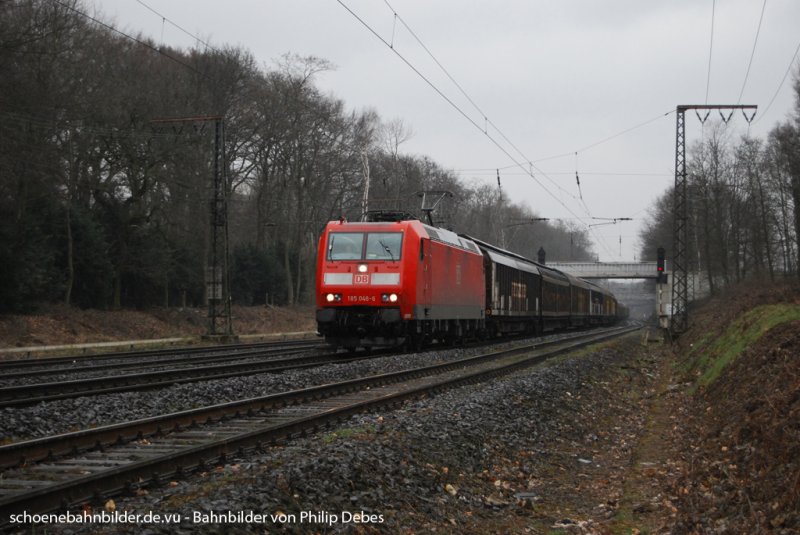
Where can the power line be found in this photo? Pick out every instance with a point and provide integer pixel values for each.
(486, 119)
(425, 48)
(780, 85)
(177, 26)
(464, 114)
(139, 41)
(753, 53)
(609, 138)
(710, 47)
(626, 131)
(453, 104)
(595, 144)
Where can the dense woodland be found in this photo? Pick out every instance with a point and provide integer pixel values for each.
(743, 204)
(103, 207)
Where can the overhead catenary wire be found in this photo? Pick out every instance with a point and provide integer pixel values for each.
(487, 122)
(164, 18)
(780, 85)
(607, 139)
(466, 116)
(753, 52)
(710, 48)
(158, 50)
(453, 104)
(590, 146)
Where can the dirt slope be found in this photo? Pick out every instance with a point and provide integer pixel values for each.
(742, 435)
(58, 324)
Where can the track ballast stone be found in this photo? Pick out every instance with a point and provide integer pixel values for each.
(453, 462)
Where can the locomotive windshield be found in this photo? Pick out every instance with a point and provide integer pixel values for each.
(353, 246)
(345, 246)
(384, 245)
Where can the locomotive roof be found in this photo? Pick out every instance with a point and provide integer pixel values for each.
(520, 262)
(451, 238)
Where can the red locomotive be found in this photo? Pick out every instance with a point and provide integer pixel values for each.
(401, 281)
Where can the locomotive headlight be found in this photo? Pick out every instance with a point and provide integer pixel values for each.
(330, 298)
(362, 268)
(393, 298)
(389, 298)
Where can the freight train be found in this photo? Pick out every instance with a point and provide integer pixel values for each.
(395, 280)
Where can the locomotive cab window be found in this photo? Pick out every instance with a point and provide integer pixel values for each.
(353, 246)
(384, 245)
(345, 245)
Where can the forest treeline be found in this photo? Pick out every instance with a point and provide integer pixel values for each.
(103, 207)
(743, 204)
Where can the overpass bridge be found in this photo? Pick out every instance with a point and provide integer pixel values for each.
(660, 301)
(608, 270)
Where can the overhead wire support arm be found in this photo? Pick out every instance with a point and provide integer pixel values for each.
(527, 221)
(683, 107)
(609, 220)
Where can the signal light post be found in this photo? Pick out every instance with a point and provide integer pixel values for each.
(660, 265)
(664, 307)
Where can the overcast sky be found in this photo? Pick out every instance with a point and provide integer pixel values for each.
(555, 77)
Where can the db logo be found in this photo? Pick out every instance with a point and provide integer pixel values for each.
(361, 279)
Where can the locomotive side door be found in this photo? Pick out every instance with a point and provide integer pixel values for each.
(427, 278)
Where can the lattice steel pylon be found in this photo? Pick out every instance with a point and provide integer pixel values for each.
(680, 236)
(680, 318)
(217, 269)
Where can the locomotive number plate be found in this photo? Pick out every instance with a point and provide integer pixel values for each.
(361, 278)
(361, 299)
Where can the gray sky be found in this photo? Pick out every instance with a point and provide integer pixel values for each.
(555, 77)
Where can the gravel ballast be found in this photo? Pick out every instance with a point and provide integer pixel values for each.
(92, 411)
(466, 459)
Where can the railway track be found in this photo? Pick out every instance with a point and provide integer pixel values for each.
(60, 471)
(31, 394)
(14, 378)
(101, 360)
